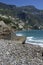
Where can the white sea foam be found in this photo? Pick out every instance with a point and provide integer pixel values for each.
(31, 40)
(19, 34)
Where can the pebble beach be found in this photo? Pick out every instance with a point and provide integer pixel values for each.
(15, 53)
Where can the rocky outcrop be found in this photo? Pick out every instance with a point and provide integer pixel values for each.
(5, 35)
(5, 32)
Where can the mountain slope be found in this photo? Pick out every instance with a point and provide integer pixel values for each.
(28, 14)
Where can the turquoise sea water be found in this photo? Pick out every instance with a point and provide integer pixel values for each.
(32, 36)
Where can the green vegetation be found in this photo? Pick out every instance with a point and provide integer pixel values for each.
(31, 14)
(7, 21)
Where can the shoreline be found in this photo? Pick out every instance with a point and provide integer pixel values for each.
(36, 44)
(24, 38)
(16, 41)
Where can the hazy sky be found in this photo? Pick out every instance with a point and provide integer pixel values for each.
(37, 3)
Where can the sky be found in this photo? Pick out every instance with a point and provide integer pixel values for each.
(37, 3)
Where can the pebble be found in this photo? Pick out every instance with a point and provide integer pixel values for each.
(17, 54)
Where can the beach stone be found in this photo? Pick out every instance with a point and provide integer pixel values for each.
(14, 53)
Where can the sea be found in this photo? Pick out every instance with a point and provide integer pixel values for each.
(32, 36)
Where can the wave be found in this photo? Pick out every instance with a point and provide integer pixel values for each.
(35, 41)
(29, 38)
(19, 34)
